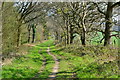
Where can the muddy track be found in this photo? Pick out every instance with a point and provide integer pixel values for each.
(55, 68)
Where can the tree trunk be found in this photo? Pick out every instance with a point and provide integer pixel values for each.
(61, 38)
(108, 24)
(29, 29)
(28, 36)
(67, 35)
(33, 38)
(65, 40)
(18, 34)
(71, 39)
(33, 35)
(83, 37)
(71, 35)
(56, 36)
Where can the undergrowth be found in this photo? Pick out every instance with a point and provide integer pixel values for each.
(89, 61)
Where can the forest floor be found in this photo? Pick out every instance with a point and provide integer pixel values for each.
(47, 61)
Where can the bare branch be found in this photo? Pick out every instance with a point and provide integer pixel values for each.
(98, 30)
(102, 39)
(116, 35)
(98, 8)
(32, 19)
(116, 4)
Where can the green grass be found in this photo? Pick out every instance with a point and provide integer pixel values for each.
(48, 67)
(25, 66)
(49, 60)
(72, 60)
(85, 66)
(65, 68)
(46, 43)
(69, 64)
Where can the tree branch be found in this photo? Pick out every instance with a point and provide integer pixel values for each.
(116, 4)
(114, 35)
(32, 19)
(102, 39)
(98, 30)
(98, 8)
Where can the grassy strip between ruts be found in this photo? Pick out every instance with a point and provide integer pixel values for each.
(49, 60)
(65, 68)
(28, 65)
(49, 65)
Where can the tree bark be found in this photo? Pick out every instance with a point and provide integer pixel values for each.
(18, 32)
(71, 38)
(33, 38)
(83, 37)
(71, 35)
(33, 35)
(67, 35)
(108, 24)
(56, 36)
(29, 29)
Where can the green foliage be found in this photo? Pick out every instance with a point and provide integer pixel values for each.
(9, 23)
(96, 39)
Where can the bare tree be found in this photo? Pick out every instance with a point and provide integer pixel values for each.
(108, 19)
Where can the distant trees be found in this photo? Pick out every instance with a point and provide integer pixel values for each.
(33, 28)
(64, 11)
(28, 12)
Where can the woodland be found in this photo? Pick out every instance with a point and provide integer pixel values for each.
(60, 40)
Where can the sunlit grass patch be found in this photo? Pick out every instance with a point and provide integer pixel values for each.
(47, 43)
(25, 66)
(48, 67)
(87, 65)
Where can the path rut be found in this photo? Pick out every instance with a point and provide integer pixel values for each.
(56, 66)
(42, 68)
